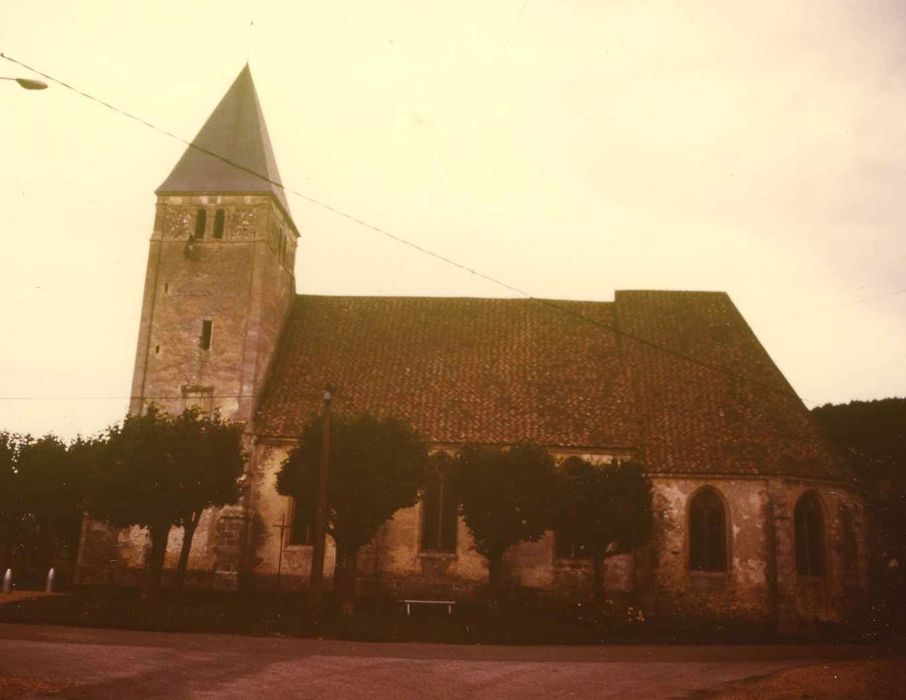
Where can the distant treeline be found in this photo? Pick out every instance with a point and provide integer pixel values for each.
(872, 437)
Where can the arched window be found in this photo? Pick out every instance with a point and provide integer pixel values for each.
(567, 542)
(707, 532)
(219, 217)
(201, 221)
(440, 509)
(809, 525)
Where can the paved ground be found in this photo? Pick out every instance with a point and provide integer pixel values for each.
(40, 661)
(15, 596)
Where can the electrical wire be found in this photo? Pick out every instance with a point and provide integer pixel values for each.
(415, 246)
(827, 309)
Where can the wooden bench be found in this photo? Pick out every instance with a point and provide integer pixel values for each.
(410, 603)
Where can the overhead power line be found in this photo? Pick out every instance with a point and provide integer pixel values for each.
(415, 246)
(827, 309)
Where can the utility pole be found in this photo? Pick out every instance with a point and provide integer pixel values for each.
(317, 557)
(283, 527)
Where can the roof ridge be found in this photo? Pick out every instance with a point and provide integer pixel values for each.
(448, 298)
(677, 292)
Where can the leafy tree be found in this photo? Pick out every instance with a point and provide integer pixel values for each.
(210, 461)
(134, 484)
(50, 479)
(376, 467)
(607, 508)
(8, 509)
(872, 436)
(507, 495)
(156, 471)
(41, 483)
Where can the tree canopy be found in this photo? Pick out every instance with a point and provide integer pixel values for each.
(8, 509)
(157, 471)
(134, 481)
(41, 487)
(50, 481)
(211, 465)
(607, 508)
(376, 467)
(508, 495)
(872, 436)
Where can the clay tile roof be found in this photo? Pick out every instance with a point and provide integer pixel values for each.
(235, 131)
(477, 370)
(504, 370)
(746, 420)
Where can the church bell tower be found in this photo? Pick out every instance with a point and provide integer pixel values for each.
(220, 278)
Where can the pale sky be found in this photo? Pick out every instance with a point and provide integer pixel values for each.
(566, 148)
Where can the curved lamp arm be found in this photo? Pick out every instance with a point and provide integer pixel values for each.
(27, 83)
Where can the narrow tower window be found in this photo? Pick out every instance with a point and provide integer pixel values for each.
(201, 221)
(207, 326)
(218, 223)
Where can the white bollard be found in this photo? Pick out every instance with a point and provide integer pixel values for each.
(49, 587)
(8, 581)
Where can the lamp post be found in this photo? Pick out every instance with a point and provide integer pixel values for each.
(27, 83)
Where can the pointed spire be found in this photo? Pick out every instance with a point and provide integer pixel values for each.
(235, 131)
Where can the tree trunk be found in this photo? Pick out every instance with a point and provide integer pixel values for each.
(188, 533)
(339, 575)
(598, 555)
(159, 535)
(6, 554)
(49, 544)
(346, 585)
(597, 583)
(495, 576)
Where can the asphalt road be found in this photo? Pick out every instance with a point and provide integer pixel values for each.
(94, 663)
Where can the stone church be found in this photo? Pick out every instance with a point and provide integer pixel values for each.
(756, 517)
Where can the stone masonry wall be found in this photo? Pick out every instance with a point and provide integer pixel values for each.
(761, 583)
(242, 282)
(741, 591)
(759, 586)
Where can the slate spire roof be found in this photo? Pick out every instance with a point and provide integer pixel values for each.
(235, 131)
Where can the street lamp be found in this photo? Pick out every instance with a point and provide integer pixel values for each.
(27, 83)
